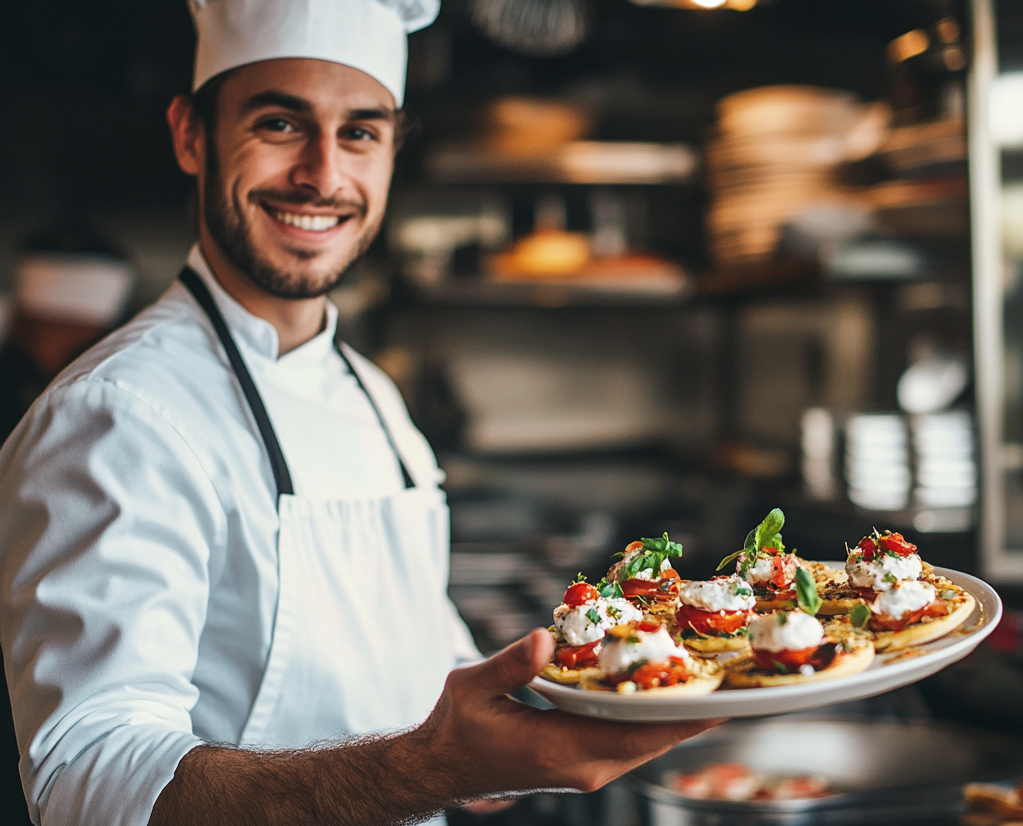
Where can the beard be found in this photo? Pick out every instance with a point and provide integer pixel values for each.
(227, 223)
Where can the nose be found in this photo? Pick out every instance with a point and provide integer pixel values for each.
(321, 167)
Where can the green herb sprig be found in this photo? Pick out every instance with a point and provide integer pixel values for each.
(806, 592)
(655, 552)
(609, 590)
(765, 535)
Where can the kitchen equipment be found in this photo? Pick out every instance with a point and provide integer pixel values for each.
(534, 27)
(886, 673)
(880, 770)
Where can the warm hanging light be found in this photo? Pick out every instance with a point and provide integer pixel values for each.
(735, 5)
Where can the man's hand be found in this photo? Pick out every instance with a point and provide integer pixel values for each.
(490, 743)
(477, 742)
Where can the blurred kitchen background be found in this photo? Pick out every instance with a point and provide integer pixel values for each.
(650, 265)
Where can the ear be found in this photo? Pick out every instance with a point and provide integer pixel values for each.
(187, 134)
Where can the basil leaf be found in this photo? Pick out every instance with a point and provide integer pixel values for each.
(729, 558)
(859, 615)
(593, 616)
(769, 528)
(609, 590)
(806, 592)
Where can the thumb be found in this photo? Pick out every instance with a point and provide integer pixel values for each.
(516, 665)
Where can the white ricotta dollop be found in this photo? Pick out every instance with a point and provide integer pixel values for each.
(883, 572)
(785, 631)
(652, 646)
(724, 593)
(576, 626)
(900, 599)
(766, 567)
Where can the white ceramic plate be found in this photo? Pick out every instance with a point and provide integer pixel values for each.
(886, 673)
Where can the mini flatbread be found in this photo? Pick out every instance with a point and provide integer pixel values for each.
(707, 644)
(704, 677)
(929, 629)
(568, 676)
(743, 673)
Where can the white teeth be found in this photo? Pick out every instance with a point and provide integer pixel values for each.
(316, 223)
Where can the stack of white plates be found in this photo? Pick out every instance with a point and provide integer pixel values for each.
(775, 157)
(877, 461)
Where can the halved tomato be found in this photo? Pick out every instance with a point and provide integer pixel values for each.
(783, 572)
(711, 623)
(664, 589)
(655, 675)
(879, 622)
(790, 661)
(578, 656)
(897, 544)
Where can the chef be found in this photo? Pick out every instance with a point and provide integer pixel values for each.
(223, 548)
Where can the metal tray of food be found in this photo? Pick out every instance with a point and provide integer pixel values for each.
(876, 770)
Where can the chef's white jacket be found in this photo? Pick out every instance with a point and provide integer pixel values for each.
(138, 543)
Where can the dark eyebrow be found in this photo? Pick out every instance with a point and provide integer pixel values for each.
(372, 114)
(277, 99)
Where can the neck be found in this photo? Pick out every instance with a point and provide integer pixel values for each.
(295, 320)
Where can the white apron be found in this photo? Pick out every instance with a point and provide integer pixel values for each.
(352, 572)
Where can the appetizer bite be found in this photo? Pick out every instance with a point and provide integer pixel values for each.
(580, 625)
(791, 646)
(876, 564)
(766, 565)
(911, 612)
(646, 577)
(713, 616)
(642, 657)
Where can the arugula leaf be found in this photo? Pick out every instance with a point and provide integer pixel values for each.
(806, 592)
(859, 615)
(593, 616)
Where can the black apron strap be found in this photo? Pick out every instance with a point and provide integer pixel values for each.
(405, 475)
(200, 292)
(282, 476)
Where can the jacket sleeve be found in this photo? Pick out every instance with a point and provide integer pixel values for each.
(106, 523)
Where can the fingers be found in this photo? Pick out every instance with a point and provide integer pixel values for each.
(513, 667)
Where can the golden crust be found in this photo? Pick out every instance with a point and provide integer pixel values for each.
(704, 677)
(568, 676)
(929, 628)
(768, 605)
(745, 674)
(716, 645)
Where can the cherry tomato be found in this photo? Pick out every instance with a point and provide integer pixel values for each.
(580, 593)
(659, 675)
(882, 623)
(578, 656)
(789, 660)
(633, 546)
(665, 588)
(897, 544)
(868, 547)
(711, 623)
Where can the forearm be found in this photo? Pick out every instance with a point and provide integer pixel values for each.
(373, 780)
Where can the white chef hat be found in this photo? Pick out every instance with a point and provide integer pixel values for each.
(88, 288)
(369, 35)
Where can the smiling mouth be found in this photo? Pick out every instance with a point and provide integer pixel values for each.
(313, 223)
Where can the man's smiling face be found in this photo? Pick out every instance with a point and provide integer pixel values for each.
(296, 171)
